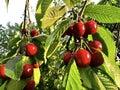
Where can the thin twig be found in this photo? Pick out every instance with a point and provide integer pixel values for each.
(83, 8)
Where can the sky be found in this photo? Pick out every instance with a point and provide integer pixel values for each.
(16, 10)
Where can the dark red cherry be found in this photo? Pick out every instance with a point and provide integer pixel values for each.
(69, 31)
(91, 27)
(27, 71)
(30, 85)
(34, 33)
(82, 57)
(97, 59)
(95, 45)
(79, 29)
(67, 57)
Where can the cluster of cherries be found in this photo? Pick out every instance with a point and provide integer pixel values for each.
(30, 49)
(84, 57)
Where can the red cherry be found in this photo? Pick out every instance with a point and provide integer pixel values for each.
(95, 45)
(30, 85)
(79, 29)
(69, 31)
(91, 27)
(31, 49)
(97, 59)
(82, 57)
(67, 57)
(36, 65)
(27, 71)
(2, 72)
(34, 33)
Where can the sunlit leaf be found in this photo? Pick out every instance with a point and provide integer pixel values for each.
(105, 79)
(101, 81)
(41, 8)
(112, 69)
(103, 13)
(72, 77)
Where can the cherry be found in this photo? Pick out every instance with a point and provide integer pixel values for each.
(27, 71)
(79, 29)
(97, 59)
(2, 72)
(69, 31)
(34, 33)
(95, 45)
(67, 57)
(91, 27)
(30, 85)
(82, 57)
(36, 65)
(31, 49)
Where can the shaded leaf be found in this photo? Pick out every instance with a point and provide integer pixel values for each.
(55, 37)
(103, 13)
(14, 67)
(17, 85)
(3, 86)
(84, 74)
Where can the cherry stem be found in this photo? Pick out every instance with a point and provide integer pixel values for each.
(25, 15)
(83, 8)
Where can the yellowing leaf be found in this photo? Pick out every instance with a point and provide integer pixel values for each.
(52, 15)
(36, 76)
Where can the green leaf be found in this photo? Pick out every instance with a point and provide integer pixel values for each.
(84, 74)
(71, 3)
(41, 38)
(14, 67)
(13, 42)
(52, 15)
(55, 37)
(107, 40)
(103, 13)
(72, 77)
(41, 9)
(17, 85)
(105, 79)
(112, 69)
(3, 86)
(101, 81)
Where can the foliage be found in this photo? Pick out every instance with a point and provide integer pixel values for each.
(53, 20)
